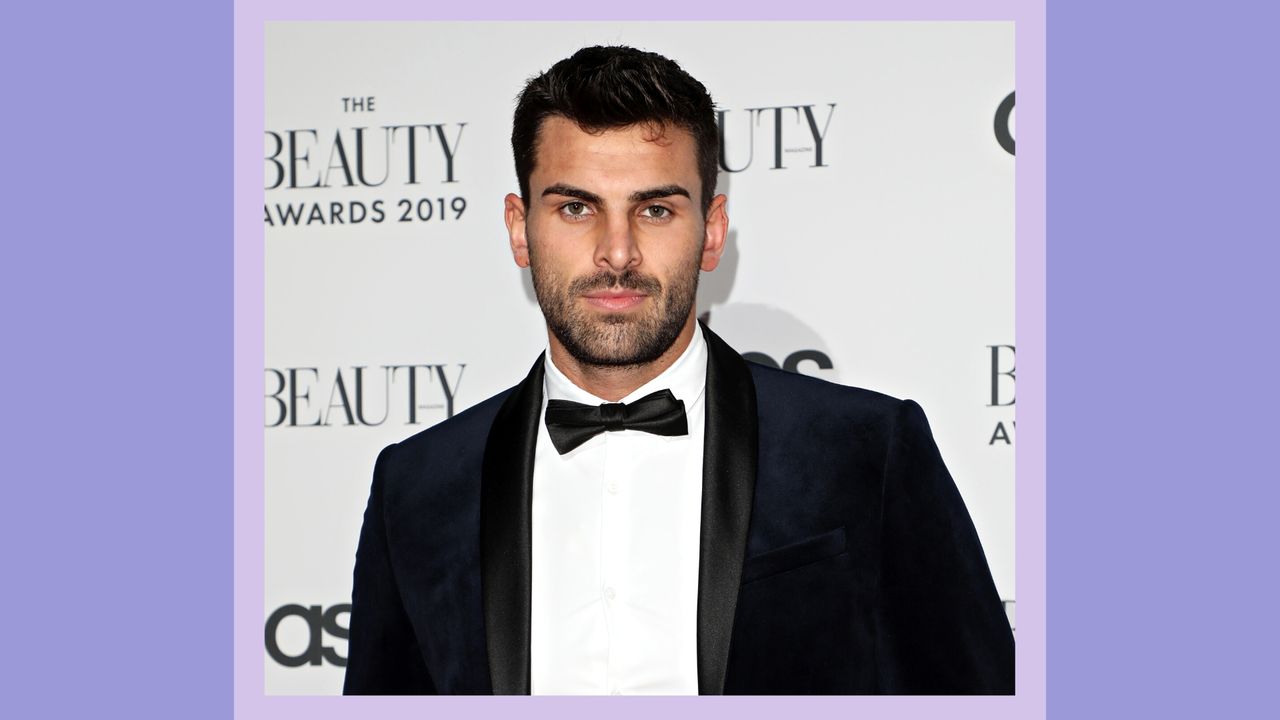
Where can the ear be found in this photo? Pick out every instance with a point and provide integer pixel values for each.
(717, 229)
(513, 213)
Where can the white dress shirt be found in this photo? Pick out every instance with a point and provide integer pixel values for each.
(615, 548)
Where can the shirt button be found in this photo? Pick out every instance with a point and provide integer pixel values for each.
(613, 488)
(609, 594)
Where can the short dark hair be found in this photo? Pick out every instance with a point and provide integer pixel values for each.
(603, 88)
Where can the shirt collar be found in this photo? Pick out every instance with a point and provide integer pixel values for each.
(686, 378)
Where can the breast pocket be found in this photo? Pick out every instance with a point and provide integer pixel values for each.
(793, 556)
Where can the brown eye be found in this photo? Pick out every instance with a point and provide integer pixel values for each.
(575, 209)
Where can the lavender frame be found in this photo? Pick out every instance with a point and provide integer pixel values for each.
(250, 700)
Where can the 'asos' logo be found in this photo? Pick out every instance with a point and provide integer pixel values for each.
(319, 621)
(1003, 113)
(792, 363)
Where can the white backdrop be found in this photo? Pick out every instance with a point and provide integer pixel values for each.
(876, 237)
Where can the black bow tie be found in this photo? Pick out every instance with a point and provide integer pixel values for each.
(570, 424)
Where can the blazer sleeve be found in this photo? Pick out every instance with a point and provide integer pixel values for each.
(941, 628)
(383, 657)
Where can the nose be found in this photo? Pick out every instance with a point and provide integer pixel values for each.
(616, 247)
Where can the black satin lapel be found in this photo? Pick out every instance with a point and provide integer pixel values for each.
(728, 484)
(506, 491)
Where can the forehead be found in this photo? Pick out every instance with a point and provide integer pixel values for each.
(630, 156)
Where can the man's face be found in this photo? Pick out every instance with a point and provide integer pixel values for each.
(615, 237)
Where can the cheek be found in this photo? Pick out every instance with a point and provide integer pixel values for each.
(682, 258)
(563, 265)
(550, 264)
(553, 267)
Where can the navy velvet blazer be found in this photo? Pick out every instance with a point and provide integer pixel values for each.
(836, 554)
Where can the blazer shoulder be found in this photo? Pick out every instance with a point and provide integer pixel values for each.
(457, 441)
(788, 393)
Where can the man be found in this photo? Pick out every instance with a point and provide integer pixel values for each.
(647, 513)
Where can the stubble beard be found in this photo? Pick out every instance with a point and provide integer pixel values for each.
(614, 340)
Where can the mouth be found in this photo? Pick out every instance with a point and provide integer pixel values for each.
(615, 300)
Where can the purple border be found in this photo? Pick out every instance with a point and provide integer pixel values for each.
(1164, 305)
(116, 514)
(115, 522)
(250, 702)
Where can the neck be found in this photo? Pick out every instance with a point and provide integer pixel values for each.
(615, 383)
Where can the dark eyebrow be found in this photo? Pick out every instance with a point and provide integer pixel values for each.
(658, 192)
(573, 192)
(635, 197)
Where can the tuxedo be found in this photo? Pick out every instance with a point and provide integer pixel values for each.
(835, 556)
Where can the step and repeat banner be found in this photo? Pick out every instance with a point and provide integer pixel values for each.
(869, 169)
